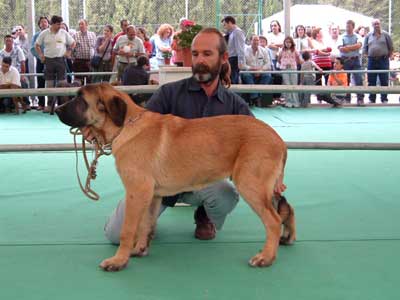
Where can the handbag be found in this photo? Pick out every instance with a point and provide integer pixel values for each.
(96, 60)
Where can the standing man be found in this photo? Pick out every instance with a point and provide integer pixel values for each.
(124, 25)
(18, 61)
(15, 52)
(257, 58)
(128, 47)
(333, 41)
(84, 50)
(349, 48)
(236, 41)
(22, 42)
(43, 24)
(55, 41)
(378, 46)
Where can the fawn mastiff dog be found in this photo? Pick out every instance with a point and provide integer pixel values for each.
(160, 155)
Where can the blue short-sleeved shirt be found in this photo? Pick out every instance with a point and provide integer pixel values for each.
(185, 98)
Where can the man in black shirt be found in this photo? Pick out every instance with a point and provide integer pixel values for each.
(137, 75)
(205, 94)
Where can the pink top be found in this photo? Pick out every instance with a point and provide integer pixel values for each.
(288, 59)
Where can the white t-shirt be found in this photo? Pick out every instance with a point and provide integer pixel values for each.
(128, 46)
(17, 56)
(259, 59)
(55, 44)
(12, 76)
(275, 39)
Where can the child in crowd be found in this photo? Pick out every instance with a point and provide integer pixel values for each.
(337, 79)
(307, 78)
(288, 59)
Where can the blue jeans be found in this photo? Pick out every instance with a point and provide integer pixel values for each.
(218, 199)
(353, 63)
(378, 63)
(249, 78)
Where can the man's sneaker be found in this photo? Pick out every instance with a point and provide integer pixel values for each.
(205, 229)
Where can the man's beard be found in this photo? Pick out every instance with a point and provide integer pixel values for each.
(204, 74)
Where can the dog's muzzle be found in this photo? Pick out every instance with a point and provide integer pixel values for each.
(72, 113)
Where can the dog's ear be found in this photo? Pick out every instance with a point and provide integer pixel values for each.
(116, 108)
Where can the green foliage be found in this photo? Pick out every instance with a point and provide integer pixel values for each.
(186, 37)
(167, 54)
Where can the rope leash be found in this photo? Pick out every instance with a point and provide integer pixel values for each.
(99, 150)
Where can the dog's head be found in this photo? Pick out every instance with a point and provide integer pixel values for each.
(98, 105)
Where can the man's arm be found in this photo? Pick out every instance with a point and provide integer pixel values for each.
(39, 52)
(365, 49)
(389, 43)
(267, 63)
(239, 43)
(21, 58)
(38, 43)
(33, 48)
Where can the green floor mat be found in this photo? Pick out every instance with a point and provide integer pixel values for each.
(338, 195)
(308, 270)
(347, 205)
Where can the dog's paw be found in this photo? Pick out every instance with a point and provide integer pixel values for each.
(114, 264)
(261, 260)
(286, 241)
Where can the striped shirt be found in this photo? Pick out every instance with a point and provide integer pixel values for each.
(85, 44)
(323, 61)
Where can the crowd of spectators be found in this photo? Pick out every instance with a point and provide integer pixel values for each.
(58, 51)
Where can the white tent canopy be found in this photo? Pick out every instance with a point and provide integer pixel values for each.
(317, 15)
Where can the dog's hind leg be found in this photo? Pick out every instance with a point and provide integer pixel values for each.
(286, 212)
(147, 229)
(256, 187)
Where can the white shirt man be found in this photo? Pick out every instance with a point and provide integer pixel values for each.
(128, 47)
(256, 58)
(15, 52)
(55, 43)
(9, 74)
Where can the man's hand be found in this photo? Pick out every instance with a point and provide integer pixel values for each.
(280, 187)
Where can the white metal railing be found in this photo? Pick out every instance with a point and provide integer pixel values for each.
(238, 88)
(290, 145)
(242, 71)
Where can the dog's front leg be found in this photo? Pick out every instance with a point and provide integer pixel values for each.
(138, 200)
(147, 229)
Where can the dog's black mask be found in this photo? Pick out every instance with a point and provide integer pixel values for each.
(72, 113)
